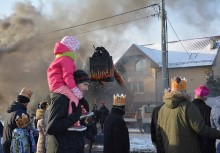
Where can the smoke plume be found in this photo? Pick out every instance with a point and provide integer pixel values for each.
(27, 36)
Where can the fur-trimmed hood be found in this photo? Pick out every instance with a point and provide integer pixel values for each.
(173, 98)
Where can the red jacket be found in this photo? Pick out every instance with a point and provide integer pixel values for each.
(60, 71)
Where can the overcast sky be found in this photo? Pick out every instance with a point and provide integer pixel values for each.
(190, 19)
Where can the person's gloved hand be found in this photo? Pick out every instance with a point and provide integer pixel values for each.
(77, 110)
(85, 103)
(76, 113)
(77, 93)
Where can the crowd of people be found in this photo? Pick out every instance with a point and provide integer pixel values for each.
(23, 135)
(180, 125)
(62, 126)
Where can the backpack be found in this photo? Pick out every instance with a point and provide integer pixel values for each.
(23, 140)
(20, 141)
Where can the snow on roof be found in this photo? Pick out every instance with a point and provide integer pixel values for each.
(201, 44)
(201, 53)
(181, 58)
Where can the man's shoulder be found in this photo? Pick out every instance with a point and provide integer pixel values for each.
(58, 96)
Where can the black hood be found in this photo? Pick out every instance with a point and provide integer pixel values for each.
(16, 106)
(197, 101)
(118, 111)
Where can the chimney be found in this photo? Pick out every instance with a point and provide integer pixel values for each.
(212, 43)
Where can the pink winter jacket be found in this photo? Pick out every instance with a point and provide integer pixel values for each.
(60, 71)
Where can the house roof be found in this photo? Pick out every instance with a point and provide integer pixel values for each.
(187, 53)
(181, 58)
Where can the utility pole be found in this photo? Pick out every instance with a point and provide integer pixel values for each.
(164, 45)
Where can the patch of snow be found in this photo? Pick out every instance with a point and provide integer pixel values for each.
(141, 142)
(181, 58)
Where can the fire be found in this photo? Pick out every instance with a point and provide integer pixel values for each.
(102, 75)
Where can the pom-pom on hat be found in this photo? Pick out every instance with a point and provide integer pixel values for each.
(81, 76)
(25, 95)
(202, 91)
(71, 42)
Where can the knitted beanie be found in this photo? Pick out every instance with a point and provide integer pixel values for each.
(80, 76)
(71, 43)
(202, 91)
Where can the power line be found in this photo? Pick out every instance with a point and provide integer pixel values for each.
(96, 20)
(62, 29)
(177, 37)
(104, 19)
(189, 54)
(152, 15)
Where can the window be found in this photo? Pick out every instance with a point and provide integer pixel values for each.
(137, 87)
(141, 65)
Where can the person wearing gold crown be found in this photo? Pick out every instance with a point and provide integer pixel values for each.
(17, 108)
(116, 137)
(23, 137)
(180, 122)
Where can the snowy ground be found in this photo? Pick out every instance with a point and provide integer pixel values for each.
(139, 143)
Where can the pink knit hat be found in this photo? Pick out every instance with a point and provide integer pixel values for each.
(71, 43)
(202, 91)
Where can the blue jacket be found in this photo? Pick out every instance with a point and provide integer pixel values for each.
(14, 109)
(215, 122)
(215, 117)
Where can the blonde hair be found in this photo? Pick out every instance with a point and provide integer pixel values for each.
(39, 114)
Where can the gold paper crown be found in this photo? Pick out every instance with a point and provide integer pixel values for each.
(178, 84)
(23, 121)
(26, 92)
(119, 100)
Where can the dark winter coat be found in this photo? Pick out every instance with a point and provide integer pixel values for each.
(206, 144)
(153, 126)
(116, 137)
(179, 123)
(1, 129)
(60, 140)
(91, 130)
(14, 109)
(96, 115)
(103, 113)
